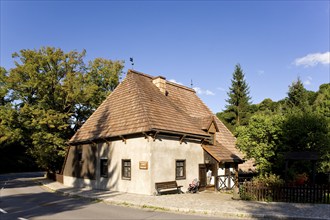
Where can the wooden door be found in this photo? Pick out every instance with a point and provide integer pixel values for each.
(202, 176)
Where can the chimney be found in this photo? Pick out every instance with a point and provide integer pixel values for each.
(160, 82)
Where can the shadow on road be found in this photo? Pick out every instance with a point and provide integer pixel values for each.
(39, 204)
(21, 197)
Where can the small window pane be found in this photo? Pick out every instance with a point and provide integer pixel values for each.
(180, 169)
(126, 169)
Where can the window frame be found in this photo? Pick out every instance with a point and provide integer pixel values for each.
(123, 171)
(177, 177)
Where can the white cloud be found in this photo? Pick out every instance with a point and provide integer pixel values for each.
(308, 81)
(203, 92)
(221, 89)
(313, 59)
(174, 81)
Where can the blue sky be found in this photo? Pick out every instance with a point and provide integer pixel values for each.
(275, 42)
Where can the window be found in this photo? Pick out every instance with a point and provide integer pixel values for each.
(104, 167)
(126, 169)
(180, 169)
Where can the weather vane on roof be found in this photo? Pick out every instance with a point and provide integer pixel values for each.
(191, 84)
(132, 62)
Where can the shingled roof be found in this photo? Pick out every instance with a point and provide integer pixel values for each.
(221, 153)
(138, 105)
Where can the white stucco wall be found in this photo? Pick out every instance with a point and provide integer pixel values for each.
(161, 155)
(164, 154)
(135, 149)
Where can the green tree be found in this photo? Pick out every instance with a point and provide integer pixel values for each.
(3, 88)
(322, 100)
(54, 93)
(237, 110)
(267, 105)
(261, 140)
(297, 96)
(308, 131)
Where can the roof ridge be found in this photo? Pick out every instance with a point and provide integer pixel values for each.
(140, 73)
(180, 86)
(167, 81)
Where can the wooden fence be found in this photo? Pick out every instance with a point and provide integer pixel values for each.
(286, 193)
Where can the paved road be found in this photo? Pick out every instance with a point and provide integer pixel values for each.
(22, 198)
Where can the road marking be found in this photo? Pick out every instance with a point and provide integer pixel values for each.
(3, 211)
(22, 218)
(4, 185)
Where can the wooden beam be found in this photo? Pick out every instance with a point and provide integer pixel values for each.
(180, 133)
(236, 175)
(123, 139)
(181, 139)
(145, 136)
(108, 142)
(155, 136)
(215, 171)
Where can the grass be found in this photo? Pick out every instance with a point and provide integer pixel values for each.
(155, 208)
(125, 204)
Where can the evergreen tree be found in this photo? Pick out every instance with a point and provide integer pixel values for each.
(297, 95)
(238, 106)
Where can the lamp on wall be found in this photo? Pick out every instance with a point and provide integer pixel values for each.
(207, 161)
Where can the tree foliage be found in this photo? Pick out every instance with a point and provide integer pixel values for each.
(297, 95)
(322, 100)
(52, 93)
(298, 123)
(3, 88)
(237, 110)
(260, 140)
(308, 131)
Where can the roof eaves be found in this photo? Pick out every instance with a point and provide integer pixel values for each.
(93, 140)
(181, 133)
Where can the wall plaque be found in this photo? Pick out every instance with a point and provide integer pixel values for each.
(143, 165)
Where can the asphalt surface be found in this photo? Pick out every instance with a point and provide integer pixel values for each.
(21, 197)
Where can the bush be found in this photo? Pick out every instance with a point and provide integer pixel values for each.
(267, 180)
(260, 187)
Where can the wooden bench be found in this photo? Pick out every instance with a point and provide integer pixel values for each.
(167, 186)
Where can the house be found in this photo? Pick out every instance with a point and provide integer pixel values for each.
(150, 130)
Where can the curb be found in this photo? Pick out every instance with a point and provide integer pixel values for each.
(206, 213)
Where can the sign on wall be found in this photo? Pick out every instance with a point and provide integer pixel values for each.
(143, 165)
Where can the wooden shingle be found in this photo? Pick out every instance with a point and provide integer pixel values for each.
(137, 105)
